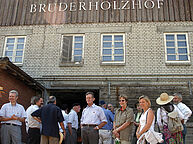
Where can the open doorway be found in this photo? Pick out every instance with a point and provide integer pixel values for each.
(73, 96)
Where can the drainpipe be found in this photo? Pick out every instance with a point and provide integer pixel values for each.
(109, 91)
(45, 96)
(190, 87)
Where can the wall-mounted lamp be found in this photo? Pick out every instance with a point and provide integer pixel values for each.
(1, 91)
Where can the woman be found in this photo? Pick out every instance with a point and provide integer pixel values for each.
(147, 119)
(136, 122)
(162, 119)
(123, 121)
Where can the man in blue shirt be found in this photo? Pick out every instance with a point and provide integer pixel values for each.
(105, 133)
(50, 115)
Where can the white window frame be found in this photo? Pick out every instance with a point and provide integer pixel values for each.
(176, 48)
(124, 47)
(73, 40)
(14, 48)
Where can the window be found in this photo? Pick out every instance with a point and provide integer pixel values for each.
(72, 49)
(14, 49)
(176, 47)
(113, 48)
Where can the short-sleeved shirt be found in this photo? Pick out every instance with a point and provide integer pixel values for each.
(110, 118)
(31, 122)
(7, 110)
(73, 119)
(120, 118)
(93, 115)
(50, 115)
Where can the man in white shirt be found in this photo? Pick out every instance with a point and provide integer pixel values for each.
(93, 118)
(33, 126)
(185, 111)
(12, 115)
(71, 134)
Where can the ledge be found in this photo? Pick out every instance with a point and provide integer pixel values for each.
(70, 64)
(16, 32)
(112, 64)
(178, 63)
(163, 29)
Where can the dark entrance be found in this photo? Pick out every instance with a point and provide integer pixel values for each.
(73, 96)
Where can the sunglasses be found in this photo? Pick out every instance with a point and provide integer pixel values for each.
(121, 100)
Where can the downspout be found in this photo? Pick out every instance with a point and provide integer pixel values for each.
(190, 87)
(109, 91)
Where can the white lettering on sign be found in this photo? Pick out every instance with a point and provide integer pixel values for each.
(105, 5)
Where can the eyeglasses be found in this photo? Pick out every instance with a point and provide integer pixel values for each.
(121, 100)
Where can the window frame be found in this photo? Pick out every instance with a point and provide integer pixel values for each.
(176, 48)
(73, 43)
(113, 49)
(14, 48)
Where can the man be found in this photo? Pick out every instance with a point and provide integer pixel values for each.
(33, 126)
(12, 115)
(93, 118)
(50, 115)
(65, 115)
(111, 108)
(71, 134)
(185, 111)
(105, 133)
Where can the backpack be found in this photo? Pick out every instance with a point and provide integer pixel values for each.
(174, 122)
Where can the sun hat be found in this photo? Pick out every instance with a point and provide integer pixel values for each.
(164, 99)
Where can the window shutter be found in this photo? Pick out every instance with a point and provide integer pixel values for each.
(67, 49)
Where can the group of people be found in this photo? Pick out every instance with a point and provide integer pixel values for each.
(48, 124)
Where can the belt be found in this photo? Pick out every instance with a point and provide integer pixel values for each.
(89, 125)
(11, 124)
(74, 129)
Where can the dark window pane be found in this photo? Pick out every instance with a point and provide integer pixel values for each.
(67, 49)
(107, 38)
(183, 57)
(181, 37)
(10, 46)
(77, 52)
(118, 44)
(19, 53)
(171, 50)
(118, 58)
(169, 37)
(118, 38)
(20, 46)
(9, 53)
(171, 57)
(10, 40)
(107, 51)
(78, 38)
(107, 44)
(77, 58)
(18, 59)
(170, 44)
(107, 58)
(182, 50)
(118, 51)
(20, 40)
(78, 45)
(182, 44)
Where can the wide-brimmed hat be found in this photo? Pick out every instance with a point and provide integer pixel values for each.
(164, 99)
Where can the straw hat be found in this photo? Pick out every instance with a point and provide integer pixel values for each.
(164, 99)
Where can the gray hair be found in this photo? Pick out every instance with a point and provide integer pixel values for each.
(178, 95)
(51, 99)
(34, 100)
(14, 91)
